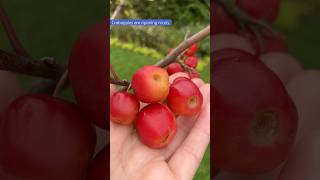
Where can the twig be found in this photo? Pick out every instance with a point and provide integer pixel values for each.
(183, 46)
(119, 82)
(117, 10)
(13, 38)
(24, 65)
(114, 74)
(242, 18)
(186, 35)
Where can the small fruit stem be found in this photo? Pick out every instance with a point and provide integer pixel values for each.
(114, 73)
(117, 10)
(119, 82)
(183, 46)
(242, 18)
(186, 36)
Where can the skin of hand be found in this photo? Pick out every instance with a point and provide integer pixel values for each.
(132, 160)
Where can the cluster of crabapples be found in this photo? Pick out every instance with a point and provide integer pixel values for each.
(45, 137)
(155, 123)
(259, 92)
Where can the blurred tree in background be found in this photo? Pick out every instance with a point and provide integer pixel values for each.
(187, 15)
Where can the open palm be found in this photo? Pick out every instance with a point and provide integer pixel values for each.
(132, 160)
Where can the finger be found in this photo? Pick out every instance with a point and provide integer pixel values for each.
(197, 81)
(184, 125)
(176, 75)
(113, 89)
(186, 160)
(118, 133)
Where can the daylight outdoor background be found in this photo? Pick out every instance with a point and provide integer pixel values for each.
(48, 28)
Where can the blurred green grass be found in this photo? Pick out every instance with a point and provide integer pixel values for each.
(126, 63)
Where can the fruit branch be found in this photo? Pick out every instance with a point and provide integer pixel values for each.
(242, 18)
(46, 68)
(183, 46)
(13, 38)
(119, 82)
(118, 9)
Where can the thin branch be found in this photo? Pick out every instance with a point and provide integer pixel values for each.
(242, 18)
(186, 35)
(183, 46)
(48, 69)
(119, 82)
(8, 27)
(117, 10)
(114, 73)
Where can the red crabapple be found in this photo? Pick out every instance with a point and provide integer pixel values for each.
(124, 108)
(150, 84)
(88, 73)
(191, 61)
(191, 51)
(184, 97)
(42, 137)
(174, 68)
(156, 125)
(255, 120)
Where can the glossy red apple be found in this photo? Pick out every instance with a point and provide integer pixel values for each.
(191, 51)
(88, 73)
(124, 108)
(261, 9)
(222, 22)
(174, 68)
(191, 61)
(42, 137)
(184, 97)
(254, 119)
(150, 84)
(99, 168)
(156, 125)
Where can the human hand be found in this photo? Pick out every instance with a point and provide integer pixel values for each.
(130, 159)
